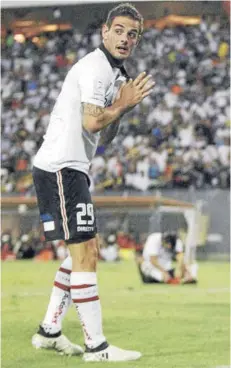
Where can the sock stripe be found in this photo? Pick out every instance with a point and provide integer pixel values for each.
(86, 300)
(61, 286)
(64, 270)
(83, 286)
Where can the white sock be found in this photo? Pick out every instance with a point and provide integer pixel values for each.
(60, 299)
(84, 293)
(193, 269)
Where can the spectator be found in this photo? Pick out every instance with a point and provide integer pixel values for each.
(110, 251)
(184, 121)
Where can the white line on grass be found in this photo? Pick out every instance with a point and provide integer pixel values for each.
(147, 290)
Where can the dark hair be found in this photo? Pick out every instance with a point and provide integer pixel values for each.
(125, 10)
(170, 238)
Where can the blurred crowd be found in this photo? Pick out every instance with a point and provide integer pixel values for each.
(113, 246)
(30, 245)
(178, 137)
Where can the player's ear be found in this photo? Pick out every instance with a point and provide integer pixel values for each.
(105, 30)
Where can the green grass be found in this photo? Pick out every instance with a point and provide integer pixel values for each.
(173, 326)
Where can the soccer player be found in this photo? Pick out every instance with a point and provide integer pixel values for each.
(96, 93)
(155, 265)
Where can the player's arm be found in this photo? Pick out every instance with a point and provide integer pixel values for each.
(180, 266)
(108, 134)
(97, 118)
(183, 270)
(155, 263)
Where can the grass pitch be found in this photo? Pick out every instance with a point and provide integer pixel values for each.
(173, 326)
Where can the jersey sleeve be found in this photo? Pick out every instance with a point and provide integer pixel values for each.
(93, 86)
(179, 246)
(152, 245)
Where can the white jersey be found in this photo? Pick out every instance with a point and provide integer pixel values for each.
(153, 247)
(66, 143)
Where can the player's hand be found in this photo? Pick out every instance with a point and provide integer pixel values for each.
(133, 92)
(144, 83)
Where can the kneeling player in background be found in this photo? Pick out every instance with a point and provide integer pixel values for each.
(155, 263)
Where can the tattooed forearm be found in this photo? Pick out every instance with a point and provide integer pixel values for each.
(108, 134)
(96, 118)
(92, 110)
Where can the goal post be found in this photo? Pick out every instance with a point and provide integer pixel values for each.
(186, 222)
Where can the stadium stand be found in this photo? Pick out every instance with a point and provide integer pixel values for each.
(176, 138)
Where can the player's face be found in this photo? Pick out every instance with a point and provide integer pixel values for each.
(122, 37)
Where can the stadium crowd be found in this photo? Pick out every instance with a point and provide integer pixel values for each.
(114, 246)
(177, 137)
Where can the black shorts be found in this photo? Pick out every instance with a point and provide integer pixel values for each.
(65, 205)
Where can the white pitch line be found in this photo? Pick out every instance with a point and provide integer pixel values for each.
(143, 291)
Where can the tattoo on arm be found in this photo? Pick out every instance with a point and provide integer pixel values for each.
(108, 134)
(96, 118)
(92, 110)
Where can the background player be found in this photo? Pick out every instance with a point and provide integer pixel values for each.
(88, 109)
(155, 264)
